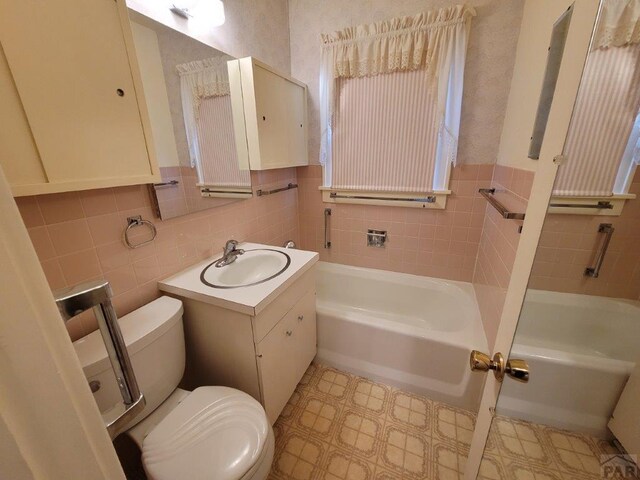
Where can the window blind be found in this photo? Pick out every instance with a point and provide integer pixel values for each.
(218, 163)
(603, 118)
(386, 133)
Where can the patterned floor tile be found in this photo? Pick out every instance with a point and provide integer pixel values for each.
(338, 426)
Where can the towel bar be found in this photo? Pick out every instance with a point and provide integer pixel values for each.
(502, 210)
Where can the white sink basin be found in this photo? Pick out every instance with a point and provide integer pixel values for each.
(251, 268)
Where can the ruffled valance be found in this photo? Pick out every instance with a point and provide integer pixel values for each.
(435, 41)
(204, 78)
(406, 43)
(619, 24)
(200, 79)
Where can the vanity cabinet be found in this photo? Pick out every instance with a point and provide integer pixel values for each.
(269, 116)
(264, 354)
(74, 115)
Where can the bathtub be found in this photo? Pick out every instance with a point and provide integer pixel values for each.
(408, 331)
(581, 350)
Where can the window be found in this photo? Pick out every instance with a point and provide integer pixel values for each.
(601, 142)
(390, 100)
(206, 108)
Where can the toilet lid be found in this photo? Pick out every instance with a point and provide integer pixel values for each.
(214, 433)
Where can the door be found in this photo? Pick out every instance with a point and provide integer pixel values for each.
(523, 113)
(575, 296)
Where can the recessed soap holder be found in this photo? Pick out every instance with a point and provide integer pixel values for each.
(376, 238)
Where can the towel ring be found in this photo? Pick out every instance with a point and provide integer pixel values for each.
(137, 221)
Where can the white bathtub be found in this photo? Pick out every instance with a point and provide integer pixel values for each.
(581, 350)
(412, 332)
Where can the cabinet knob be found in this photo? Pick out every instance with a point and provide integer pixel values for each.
(300, 318)
(289, 333)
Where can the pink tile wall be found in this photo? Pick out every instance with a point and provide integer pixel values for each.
(568, 245)
(435, 243)
(498, 245)
(78, 237)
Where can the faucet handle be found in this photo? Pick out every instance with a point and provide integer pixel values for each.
(230, 246)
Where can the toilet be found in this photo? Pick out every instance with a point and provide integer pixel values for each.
(213, 432)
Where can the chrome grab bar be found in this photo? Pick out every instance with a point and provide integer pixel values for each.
(502, 210)
(607, 229)
(260, 193)
(603, 205)
(170, 183)
(97, 296)
(327, 214)
(429, 199)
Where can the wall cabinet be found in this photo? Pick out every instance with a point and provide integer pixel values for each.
(73, 111)
(269, 116)
(264, 355)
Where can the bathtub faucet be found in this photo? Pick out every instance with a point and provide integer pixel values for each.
(230, 253)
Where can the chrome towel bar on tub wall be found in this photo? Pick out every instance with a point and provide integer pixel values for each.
(137, 221)
(488, 193)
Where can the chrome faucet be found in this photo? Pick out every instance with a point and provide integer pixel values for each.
(230, 253)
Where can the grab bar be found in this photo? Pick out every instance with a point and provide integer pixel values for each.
(600, 205)
(327, 214)
(608, 230)
(429, 199)
(170, 183)
(97, 295)
(502, 210)
(260, 193)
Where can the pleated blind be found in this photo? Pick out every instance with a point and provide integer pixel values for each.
(218, 164)
(603, 118)
(385, 133)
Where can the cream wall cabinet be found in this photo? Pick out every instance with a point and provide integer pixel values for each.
(269, 116)
(264, 355)
(73, 111)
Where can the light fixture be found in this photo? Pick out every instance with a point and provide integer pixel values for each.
(203, 14)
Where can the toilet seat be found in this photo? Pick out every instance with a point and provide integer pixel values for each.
(214, 433)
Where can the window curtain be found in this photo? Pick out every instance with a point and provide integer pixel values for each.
(619, 24)
(219, 166)
(200, 79)
(434, 41)
(597, 145)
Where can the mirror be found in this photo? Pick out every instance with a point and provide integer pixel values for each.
(187, 91)
(579, 327)
(551, 72)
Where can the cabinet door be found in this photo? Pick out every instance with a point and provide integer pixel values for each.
(285, 353)
(297, 123)
(71, 69)
(271, 115)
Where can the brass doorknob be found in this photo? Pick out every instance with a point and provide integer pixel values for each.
(515, 368)
(518, 370)
(481, 362)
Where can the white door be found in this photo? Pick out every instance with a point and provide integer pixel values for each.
(50, 426)
(537, 27)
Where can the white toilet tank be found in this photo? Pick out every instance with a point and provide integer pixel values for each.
(154, 337)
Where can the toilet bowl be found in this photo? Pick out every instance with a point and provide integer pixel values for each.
(213, 432)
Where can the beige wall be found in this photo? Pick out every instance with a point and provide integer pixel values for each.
(252, 28)
(490, 60)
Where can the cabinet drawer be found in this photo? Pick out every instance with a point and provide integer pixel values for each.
(285, 353)
(276, 310)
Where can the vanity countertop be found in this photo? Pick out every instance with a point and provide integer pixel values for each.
(250, 300)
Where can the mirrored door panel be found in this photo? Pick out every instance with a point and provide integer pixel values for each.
(579, 328)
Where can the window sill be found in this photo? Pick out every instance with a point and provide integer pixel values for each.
(588, 205)
(433, 200)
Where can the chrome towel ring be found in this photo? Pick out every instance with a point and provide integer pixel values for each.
(137, 221)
